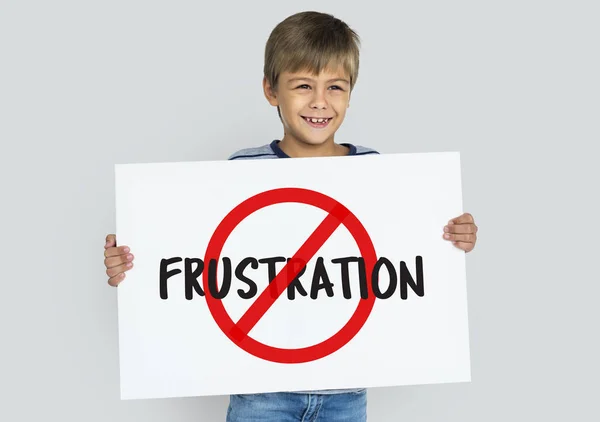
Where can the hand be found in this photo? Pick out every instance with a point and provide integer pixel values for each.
(462, 232)
(117, 260)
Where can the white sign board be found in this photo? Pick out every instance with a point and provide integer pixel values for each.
(363, 292)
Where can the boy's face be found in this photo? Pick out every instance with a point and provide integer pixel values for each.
(303, 96)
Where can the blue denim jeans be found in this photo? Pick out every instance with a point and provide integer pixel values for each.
(295, 407)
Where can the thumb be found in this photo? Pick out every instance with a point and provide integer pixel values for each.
(111, 240)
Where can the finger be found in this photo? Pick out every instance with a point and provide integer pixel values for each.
(460, 228)
(111, 240)
(467, 247)
(118, 260)
(462, 219)
(469, 238)
(111, 272)
(114, 281)
(114, 251)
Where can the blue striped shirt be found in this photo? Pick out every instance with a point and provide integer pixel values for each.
(272, 150)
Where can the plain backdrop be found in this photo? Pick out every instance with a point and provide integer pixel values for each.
(512, 85)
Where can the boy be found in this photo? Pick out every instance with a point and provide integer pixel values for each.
(311, 67)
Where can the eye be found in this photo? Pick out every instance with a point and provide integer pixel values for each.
(303, 85)
(337, 87)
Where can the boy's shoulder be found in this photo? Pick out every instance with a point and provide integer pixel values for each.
(261, 152)
(360, 150)
(272, 150)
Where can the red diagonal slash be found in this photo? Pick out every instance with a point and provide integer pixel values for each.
(283, 279)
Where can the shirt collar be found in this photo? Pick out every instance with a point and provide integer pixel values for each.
(280, 154)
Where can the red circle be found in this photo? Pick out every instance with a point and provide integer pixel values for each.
(327, 204)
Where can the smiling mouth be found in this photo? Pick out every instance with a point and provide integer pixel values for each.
(317, 122)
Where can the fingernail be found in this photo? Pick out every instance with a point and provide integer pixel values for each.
(450, 222)
(129, 257)
(446, 229)
(129, 264)
(447, 236)
(125, 249)
(106, 244)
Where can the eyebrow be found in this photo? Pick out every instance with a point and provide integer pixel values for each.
(312, 80)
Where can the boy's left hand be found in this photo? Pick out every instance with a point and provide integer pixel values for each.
(462, 232)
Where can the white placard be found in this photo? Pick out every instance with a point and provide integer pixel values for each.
(410, 327)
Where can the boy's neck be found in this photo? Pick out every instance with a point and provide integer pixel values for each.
(296, 149)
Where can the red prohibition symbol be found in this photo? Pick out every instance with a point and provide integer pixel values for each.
(337, 214)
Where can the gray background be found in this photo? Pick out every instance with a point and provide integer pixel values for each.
(512, 85)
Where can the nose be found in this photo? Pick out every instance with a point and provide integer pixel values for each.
(319, 100)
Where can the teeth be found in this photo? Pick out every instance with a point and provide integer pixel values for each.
(318, 120)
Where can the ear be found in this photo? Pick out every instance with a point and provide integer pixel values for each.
(270, 93)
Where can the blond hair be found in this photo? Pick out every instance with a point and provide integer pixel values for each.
(311, 41)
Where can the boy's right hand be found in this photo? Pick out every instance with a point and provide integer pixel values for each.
(117, 260)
